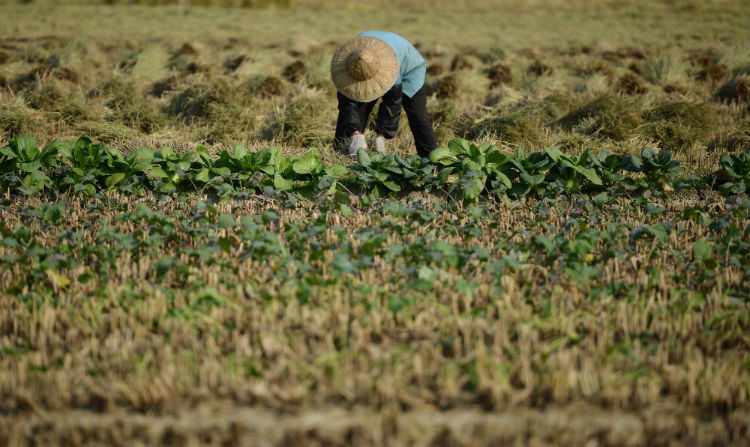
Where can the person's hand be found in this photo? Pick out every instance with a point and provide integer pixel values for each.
(380, 144)
(358, 142)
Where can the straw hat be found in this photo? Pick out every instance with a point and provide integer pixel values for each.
(364, 68)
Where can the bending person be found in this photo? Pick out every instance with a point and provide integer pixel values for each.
(380, 65)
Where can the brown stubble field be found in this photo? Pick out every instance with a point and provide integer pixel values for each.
(416, 320)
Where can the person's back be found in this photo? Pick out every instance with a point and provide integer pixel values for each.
(412, 66)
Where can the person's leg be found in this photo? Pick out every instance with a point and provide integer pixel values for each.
(352, 118)
(389, 113)
(420, 122)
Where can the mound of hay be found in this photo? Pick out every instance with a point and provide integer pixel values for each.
(266, 87)
(714, 73)
(129, 107)
(435, 69)
(461, 61)
(295, 71)
(631, 84)
(107, 132)
(304, 121)
(499, 74)
(444, 115)
(679, 126)
(446, 87)
(675, 88)
(737, 90)
(222, 112)
(168, 84)
(609, 116)
(233, 63)
(16, 118)
(523, 126)
(539, 68)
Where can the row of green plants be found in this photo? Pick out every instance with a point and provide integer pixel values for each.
(462, 169)
(179, 243)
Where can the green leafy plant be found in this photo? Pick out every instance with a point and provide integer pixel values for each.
(477, 167)
(573, 173)
(734, 173)
(23, 163)
(658, 167)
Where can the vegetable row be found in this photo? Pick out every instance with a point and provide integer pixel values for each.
(463, 169)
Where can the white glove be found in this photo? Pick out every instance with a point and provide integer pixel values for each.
(358, 142)
(380, 144)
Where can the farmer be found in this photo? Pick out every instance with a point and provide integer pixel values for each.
(374, 65)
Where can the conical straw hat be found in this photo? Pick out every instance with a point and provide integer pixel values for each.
(364, 68)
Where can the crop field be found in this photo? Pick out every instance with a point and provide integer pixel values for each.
(185, 258)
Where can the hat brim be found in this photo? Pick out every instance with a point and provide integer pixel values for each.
(370, 89)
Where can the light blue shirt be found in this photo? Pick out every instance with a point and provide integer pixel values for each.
(412, 67)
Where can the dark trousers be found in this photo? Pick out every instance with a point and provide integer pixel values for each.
(353, 117)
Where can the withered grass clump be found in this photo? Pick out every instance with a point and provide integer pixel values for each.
(45, 95)
(295, 71)
(539, 68)
(523, 126)
(266, 87)
(609, 116)
(105, 131)
(631, 84)
(679, 125)
(714, 73)
(166, 85)
(129, 105)
(461, 61)
(16, 118)
(435, 69)
(201, 101)
(303, 121)
(233, 63)
(499, 74)
(447, 87)
(675, 88)
(222, 112)
(444, 115)
(736, 90)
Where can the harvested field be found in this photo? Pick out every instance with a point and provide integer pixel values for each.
(204, 268)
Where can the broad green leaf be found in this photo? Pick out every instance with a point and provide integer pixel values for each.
(345, 210)
(532, 180)
(25, 145)
(240, 152)
(443, 156)
(225, 221)
(590, 174)
(310, 162)
(156, 172)
(702, 250)
(391, 185)
(202, 175)
(336, 170)
(281, 183)
(57, 280)
(459, 146)
(114, 179)
(363, 158)
(502, 178)
(140, 160)
(554, 153)
(497, 158)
